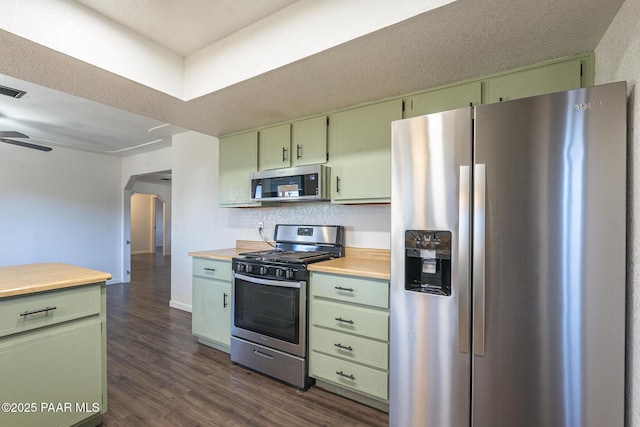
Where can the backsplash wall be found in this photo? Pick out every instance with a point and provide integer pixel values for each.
(365, 225)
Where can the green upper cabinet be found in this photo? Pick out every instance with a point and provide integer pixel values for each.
(548, 78)
(293, 144)
(309, 141)
(274, 147)
(360, 147)
(238, 157)
(444, 99)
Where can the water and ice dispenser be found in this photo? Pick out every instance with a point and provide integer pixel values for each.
(428, 261)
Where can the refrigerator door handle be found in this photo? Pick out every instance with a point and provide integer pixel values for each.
(464, 199)
(479, 223)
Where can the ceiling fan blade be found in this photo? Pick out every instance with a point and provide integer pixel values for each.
(26, 144)
(12, 134)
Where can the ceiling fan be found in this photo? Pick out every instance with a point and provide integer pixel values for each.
(7, 137)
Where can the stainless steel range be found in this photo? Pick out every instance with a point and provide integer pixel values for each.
(269, 310)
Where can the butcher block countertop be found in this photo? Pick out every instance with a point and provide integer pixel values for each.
(226, 254)
(30, 278)
(371, 263)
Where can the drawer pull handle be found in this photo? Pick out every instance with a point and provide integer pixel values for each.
(261, 354)
(340, 288)
(42, 310)
(340, 319)
(340, 346)
(342, 374)
(209, 269)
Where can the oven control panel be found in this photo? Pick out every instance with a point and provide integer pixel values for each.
(273, 272)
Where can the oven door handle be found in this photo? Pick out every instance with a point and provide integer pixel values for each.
(257, 280)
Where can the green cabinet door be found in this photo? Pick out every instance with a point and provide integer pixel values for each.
(309, 141)
(449, 98)
(238, 157)
(53, 373)
(211, 312)
(274, 147)
(360, 141)
(548, 78)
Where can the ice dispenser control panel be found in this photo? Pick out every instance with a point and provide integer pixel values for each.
(428, 261)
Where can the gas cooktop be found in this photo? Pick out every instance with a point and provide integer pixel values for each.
(281, 255)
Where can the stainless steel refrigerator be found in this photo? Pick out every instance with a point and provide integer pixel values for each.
(508, 263)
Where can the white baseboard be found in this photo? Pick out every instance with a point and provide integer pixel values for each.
(180, 306)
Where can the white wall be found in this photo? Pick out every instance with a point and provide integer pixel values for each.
(163, 191)
(618, 58)
(60, 206)
(142, 223)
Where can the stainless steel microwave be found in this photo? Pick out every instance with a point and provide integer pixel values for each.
(303, 183)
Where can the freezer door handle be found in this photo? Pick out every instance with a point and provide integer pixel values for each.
(464, 198)
(479, 223)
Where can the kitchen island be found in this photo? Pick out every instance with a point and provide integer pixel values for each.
(52, 345)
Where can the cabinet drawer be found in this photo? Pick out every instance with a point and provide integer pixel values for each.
(350, 347)
(351, 289)
(347, 318)
(62, 363)
(212, 269)
(350, 375)
(32, 311)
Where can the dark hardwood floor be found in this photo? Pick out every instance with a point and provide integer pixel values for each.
(158, 374)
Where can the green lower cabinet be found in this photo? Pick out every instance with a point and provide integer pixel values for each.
(359, 378)
(211, 307)
(351, 348)
(55, 375)
(349, 337)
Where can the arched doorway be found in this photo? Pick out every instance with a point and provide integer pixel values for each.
(154, 193)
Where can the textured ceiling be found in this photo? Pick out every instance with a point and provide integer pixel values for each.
(462, 40)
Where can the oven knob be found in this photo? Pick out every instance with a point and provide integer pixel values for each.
(248, 268)
(289, 274)
(279, 272)
(264, 270)
(240, 267)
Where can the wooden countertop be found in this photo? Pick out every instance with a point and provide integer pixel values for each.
(371, 263)
(30, 278)
(228, 253)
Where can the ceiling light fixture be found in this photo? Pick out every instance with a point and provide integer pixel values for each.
(9, 91)
(133, 148)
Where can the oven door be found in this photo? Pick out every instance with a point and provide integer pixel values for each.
(270, 313)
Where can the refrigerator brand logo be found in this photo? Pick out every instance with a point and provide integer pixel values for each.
(589, 105)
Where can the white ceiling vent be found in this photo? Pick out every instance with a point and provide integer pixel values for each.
(8, 91)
